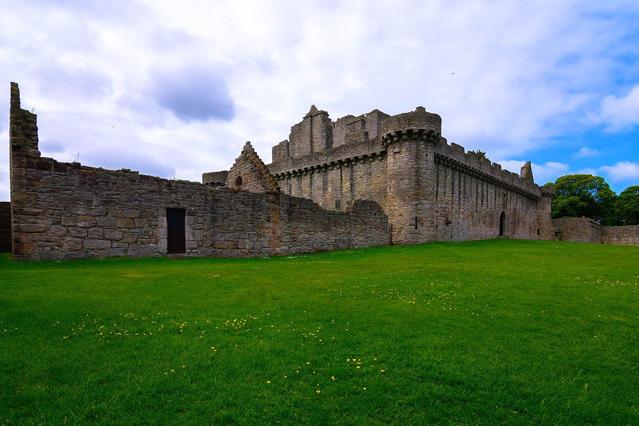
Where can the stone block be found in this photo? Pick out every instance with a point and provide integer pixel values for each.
(141, 251)
(85, 221)
(30, 227)
(125, 223)
(112, 234)
(96, 233)
(221, 244)
(72, 244)
(57, 230)
(77, 232)
(96, 244)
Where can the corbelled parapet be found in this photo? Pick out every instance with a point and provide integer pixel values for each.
(418, 125)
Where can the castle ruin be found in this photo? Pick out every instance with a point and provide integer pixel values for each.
(359, 181)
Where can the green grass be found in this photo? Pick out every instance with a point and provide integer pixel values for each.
(479, 332)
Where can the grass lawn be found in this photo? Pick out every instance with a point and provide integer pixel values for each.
(479, 332)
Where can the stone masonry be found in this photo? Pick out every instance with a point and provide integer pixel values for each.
(430, 190)
(586, 230)
(67, 210)
(359, 181)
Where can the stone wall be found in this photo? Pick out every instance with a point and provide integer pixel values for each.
(577, 229)
(5, 227)
(66, 210)
(215, 178)
(586, 230)
(624, 235)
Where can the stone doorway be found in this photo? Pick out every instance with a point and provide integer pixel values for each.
(176, 239)
(502, 224)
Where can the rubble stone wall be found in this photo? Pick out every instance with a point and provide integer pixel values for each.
(67, 210)
(577, 229)
(628, 234)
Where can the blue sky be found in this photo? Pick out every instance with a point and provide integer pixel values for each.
(176, 88)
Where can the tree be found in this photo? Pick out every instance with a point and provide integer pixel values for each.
(584, 195)
(628, 206)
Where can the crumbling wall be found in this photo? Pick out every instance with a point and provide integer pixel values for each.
(625, 235)
(313, 134)
(5, 227)
(215, 178)
(249, 173)
(577, 229)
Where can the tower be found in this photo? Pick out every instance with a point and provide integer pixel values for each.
(409, 139)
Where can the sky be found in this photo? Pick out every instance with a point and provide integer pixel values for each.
(175, 88)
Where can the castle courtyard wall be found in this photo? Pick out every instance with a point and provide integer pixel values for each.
(624, 235)
(586, 230)
(577, 229)
(67, 210)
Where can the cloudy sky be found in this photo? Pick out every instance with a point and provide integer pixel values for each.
(175, 88)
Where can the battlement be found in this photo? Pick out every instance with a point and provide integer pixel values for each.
(369, 135)
(418, 119)
(456, 156)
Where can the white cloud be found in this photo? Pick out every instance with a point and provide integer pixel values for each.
(621, 171)
(88, 68)
(620, 113)
(586, 152)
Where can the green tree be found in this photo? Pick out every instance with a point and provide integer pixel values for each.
(584, 195)
(628, 206)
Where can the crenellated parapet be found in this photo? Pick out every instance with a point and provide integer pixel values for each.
(418, 119)
(455, 156)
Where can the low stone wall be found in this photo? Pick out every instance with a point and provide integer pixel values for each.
(5, 227)
(621, 234)
(577, 229)
(65, 210)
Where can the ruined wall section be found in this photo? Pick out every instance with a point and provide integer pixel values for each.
(351, 167)
(624, 235)
(249, 173)
(586, 230)
(313, 134)
(76, 211)
(66, 210)
(577, 229)
(5, 227)
(215, 178)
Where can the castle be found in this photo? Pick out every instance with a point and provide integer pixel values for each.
(365, 180)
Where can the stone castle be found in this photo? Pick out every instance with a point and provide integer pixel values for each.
(359, 181)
